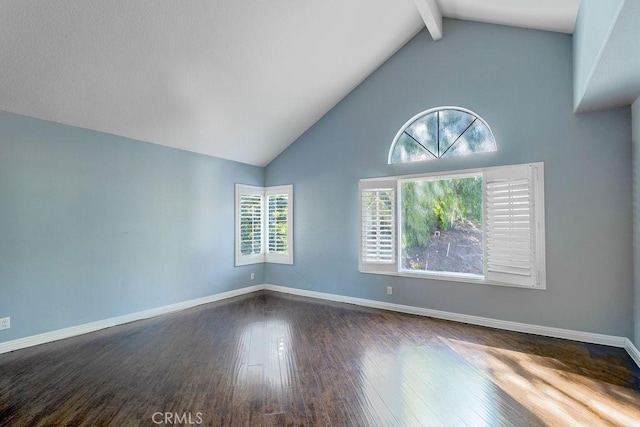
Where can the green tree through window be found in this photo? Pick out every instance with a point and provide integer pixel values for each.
(452, 207)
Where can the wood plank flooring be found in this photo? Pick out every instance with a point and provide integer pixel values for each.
(270, 359)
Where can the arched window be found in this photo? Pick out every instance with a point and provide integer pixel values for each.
(441, 132)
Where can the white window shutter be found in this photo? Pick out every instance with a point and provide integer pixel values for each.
(249, 224)
(277, 207)
(514, 221)
(279, 224)
(264, 224)
(378, 251)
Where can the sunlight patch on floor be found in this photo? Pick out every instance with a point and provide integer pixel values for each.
(554, 392)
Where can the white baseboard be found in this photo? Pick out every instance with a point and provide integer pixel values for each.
(547, 331)
(588, 337)
(633, 351)
(114, 321)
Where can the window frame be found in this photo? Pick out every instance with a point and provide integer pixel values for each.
(445, 275)
(437, 110)
(396, 269)
(264, 255)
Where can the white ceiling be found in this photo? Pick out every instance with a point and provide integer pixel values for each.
(238, 79)
(549, 15)
(615, 79)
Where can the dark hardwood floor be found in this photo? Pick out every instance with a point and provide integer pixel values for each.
(270, 359)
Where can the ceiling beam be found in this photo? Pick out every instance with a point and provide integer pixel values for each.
(431, 16)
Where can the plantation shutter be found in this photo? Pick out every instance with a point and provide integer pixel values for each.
(249, 224)
(378, 226)
(279, 224)
(513, 220)
(264, 224)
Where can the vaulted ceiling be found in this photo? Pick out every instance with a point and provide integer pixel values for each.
(239, 80)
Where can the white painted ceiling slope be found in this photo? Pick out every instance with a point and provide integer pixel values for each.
(239, 79)
(614, 78)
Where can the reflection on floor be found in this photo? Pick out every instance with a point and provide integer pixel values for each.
(270, 359)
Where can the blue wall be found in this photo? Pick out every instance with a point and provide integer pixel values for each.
(520, 81)
(94, 226)
(636, 216)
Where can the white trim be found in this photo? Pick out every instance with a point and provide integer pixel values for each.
(537, 170)
(632, 350)
(588, 337)
(449, 277)
(431, 16)
(73, 331)
(445, 174)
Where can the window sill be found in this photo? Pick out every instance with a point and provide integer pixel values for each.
(263, 261)
(248, 262)
(477, 280)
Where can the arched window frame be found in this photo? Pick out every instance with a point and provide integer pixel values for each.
(436, 110)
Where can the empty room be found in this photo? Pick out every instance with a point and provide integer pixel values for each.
(333, 213)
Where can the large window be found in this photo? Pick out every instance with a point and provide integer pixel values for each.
(264, 224)
(442, 224)
(483, 226)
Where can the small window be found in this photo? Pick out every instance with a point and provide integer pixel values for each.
(264, 224)
(481, 226)
(441, 132)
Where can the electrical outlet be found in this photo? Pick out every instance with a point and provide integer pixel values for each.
(253, 276)
(5, 323)
(389, 290)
